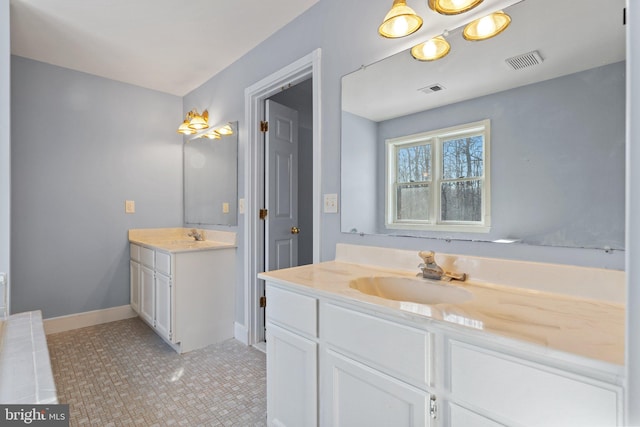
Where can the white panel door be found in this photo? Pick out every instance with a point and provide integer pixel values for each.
(282, 187)
(292, 379)
(146, 294)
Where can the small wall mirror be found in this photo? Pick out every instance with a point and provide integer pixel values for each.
(553, 88)
(211, 179)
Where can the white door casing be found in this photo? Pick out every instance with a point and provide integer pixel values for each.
(281, 187)
(250, 332)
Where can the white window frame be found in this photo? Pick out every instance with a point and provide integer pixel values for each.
(436, 138)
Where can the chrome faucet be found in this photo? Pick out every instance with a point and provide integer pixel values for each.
(196, 235)
(431, 270)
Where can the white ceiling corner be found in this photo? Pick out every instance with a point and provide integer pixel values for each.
(165, 45)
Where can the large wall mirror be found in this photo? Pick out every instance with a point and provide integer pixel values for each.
(557, 128)
(211, 179)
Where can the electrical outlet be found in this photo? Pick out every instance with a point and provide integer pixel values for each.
(241, 206)
(129, 206)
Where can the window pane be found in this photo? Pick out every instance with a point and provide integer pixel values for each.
(414, 163)
(462, 158)
(461, 201)
(413, 202)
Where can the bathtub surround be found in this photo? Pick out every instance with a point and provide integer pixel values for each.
(5, 142)
(25, 368)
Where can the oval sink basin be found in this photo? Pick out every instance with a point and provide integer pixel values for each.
(420, 291)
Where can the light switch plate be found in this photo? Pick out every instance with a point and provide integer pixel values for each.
(225, 207)
(129, 206)
(330, 203)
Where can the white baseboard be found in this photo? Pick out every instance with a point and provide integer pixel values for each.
(88, 318)
(241, 333)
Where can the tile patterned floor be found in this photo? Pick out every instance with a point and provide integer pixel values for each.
(123, 374)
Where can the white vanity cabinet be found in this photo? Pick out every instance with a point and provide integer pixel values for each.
(163, 284)
(510, 387)
(335, 362)
(375, 372)
(187, 297)
(292, 359)
(134, 276)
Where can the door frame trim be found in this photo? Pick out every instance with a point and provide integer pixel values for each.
(254, 97)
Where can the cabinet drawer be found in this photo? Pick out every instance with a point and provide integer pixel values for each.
(146, 256)
(163, 263)
(527, 393)
(134, 252)
(295, 311)
(400, 350)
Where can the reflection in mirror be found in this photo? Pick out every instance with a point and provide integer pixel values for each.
(210, 179)
(557, 127)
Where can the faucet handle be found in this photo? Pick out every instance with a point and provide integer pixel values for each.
(427, 256)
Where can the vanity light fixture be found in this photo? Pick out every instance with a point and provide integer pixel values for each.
(194, 122)
(216, 132)
(431, 50)
(213, 134)
(185, 129)
(225, 130)
(452, 7)
(400, 21)
(486, 27)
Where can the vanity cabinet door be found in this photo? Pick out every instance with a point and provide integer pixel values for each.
(146, 294)
(134, 280)
(163, 306)
(526, 393)
(357, 395)
(292, 382)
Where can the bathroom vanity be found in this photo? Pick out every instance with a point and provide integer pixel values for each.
(183, 288)
(338, 354)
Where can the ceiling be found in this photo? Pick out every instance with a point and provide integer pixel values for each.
(166, 45)
(568, 40)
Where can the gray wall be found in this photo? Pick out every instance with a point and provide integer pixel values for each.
(361, 175)
(557, 158)
(5, 141)
(346, 45)
(81, 146)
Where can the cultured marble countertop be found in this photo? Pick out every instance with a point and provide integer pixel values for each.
(586, 327)
(176, 240)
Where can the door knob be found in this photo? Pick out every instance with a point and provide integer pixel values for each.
(295, 230)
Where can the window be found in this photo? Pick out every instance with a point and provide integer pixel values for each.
(439, 180)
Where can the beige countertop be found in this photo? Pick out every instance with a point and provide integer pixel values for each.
(177, 240)
(587, 327)
(182, 245)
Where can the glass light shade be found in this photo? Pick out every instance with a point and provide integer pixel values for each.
(198, 123)
(400, 21)
(487, 27)
(185, 129)
(453, 7)
(225, 130)
(431, 50)
(212, 135)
